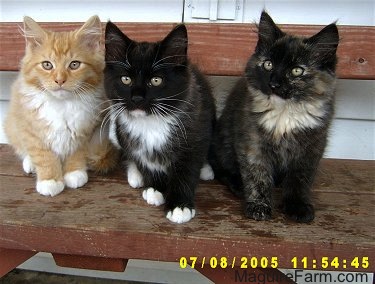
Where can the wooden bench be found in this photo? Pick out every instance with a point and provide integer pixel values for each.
(106, 222)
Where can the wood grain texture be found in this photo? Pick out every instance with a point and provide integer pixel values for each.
(218, 49)
(106, 218)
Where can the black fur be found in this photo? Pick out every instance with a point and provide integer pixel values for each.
(184, 97)
(254, 152)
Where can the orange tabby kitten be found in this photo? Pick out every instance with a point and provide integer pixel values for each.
(56, 104)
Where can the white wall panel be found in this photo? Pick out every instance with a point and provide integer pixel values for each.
(319, 12)
(3, 110)
(351, 139)
(80, 11)
(222, 11)
(355, 99)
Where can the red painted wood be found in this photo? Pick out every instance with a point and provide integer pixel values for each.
(11, 258)
(218, 49)
(90, 262)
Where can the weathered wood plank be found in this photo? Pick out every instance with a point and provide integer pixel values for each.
(106, 218)
(219, 49)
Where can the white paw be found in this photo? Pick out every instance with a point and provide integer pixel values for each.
(76, 178)
(135, 178)
(27, 165)
(49, 187)
(207, 173)
(153, 197)
(179, 215)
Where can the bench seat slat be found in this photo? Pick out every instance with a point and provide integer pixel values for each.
(107, 218)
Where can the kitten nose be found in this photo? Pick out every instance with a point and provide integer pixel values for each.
(137, 99)
(59, 82)
(274, 85)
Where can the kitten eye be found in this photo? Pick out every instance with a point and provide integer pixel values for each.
(156, 81)
(47, 65)
(74, 65)
(297, 71)
(126, 80)
(267, 65)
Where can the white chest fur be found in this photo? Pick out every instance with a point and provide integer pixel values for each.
(68, 120)
(283, 116)
(152, 132)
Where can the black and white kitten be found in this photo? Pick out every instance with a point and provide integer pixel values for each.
(162, 116)
(274, 127)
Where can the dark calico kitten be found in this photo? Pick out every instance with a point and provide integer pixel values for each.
(162, 116)
(274, 127)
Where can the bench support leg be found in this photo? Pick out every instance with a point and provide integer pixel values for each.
(11, 258)
(238, 275)
(90, 262)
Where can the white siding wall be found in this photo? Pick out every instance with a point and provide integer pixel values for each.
(81, 10)
(346, 12)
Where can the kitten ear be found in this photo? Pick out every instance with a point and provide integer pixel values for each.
(116, 42)
(326, 40)
(173, 48)
(33, 33)
(91, 32)
(268, 32)
(324, 45)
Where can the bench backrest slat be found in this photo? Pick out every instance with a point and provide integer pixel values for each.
(219, 49)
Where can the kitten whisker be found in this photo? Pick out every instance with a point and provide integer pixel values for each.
(166, 65)
(174, 115)
(41, 90)
(175, 109)
(159, 114)
(87, 105)
(175, 95)
(178, 100)
(109, 107)
(81, 93)
(115, 115)
(85, 84)
(85, 88)
(86, 95)
(163, 114)
(165, 58)
(113, 110)
(125, 65)
(109, 101)
(126, 54)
